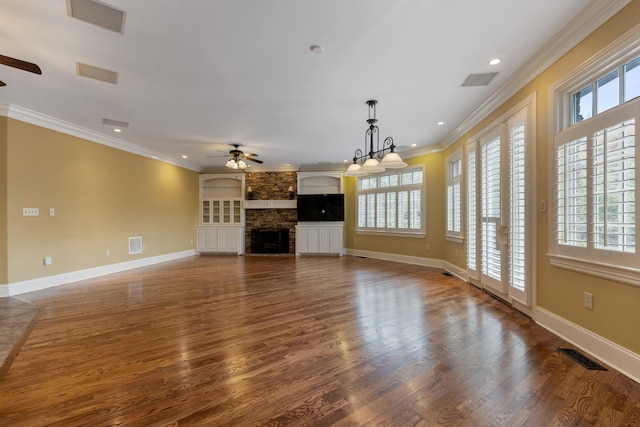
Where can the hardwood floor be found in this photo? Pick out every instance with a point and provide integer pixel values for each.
(286, 341)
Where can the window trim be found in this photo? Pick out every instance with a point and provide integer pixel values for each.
(397, 232)
(452, 235)
(623, 50)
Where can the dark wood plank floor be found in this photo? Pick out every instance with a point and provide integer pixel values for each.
(285, 341)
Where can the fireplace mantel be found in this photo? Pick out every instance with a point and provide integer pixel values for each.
(270, 204)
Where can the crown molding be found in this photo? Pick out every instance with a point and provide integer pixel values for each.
(33, 117)
(585, 23)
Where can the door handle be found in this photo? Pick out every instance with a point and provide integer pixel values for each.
(502, 237)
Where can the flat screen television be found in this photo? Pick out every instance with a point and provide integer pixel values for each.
(320, 207)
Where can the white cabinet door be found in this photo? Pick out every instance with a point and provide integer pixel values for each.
(201, 239)
(320, 239)
(212, 239)
(324, 237)
(335, 241)
(302, 240)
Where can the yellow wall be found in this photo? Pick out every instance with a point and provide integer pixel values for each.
(615, 313)
(3, 201)
(408, 246)
(101, 196)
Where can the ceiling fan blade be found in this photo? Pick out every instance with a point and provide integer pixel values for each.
(20, 64)
(252, 160)
(2, 83)
(218, 155)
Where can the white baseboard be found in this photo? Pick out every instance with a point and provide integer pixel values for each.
(18, 288)
(460, 273)
(619, 358)
(427, 262)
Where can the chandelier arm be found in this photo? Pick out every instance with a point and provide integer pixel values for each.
(388, 145)
(358, 156)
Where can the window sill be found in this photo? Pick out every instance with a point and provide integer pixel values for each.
(456, 239)
(391, 233)
(626, 275)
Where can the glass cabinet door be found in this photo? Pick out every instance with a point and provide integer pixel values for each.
(222, 211)
(226, 211)
(236, 211)
(206, 211)
(215, 211)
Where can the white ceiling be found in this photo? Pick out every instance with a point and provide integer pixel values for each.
(197, 75)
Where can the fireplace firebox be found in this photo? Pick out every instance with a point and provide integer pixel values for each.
(269, 241)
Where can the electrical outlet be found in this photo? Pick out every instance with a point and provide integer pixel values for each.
(427, 247)
(30, 211)
(588, 300)
(108, 252)
(52, 211)
(47, 260)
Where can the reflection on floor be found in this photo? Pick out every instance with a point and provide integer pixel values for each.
(16, 321)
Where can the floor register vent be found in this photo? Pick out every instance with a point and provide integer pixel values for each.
(582, 359)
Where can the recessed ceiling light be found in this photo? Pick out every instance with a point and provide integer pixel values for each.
(440, 123)
(316, 48)
(117, 130)
(495, 61)
(184, 157)
(414, 145)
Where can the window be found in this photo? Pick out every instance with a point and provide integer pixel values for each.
(454, 197)
(595, 188)
(392, 202)
(617, 87)
(595, 227)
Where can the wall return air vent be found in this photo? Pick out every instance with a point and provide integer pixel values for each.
(135, 245)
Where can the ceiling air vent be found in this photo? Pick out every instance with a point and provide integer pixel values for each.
(97, 13)
(116, 123)
(97, 73)
(479, 79)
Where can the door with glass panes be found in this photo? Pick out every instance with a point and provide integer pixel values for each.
(498, 220)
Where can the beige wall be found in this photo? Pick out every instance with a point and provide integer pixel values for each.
(3, 201)
(408, 246)
(101, 196)
(616, 313)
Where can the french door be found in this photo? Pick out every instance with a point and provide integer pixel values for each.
(499, 221)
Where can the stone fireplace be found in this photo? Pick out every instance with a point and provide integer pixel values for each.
(270, 223)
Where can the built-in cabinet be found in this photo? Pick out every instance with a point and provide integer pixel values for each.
(222, 226)
(323, 238)
(222, 214)
(320, 238)
(220, 239)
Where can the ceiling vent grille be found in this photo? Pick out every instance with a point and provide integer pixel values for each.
(115, 123)
(479, 79)
(97, 73)
(97, 13)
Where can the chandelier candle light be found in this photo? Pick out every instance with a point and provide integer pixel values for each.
(364, 164)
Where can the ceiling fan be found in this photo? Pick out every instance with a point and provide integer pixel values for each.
(237, 158)
(20, 64)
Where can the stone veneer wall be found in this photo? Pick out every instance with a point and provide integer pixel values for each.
(270, 186)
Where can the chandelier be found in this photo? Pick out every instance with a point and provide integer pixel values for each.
(375, 160)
